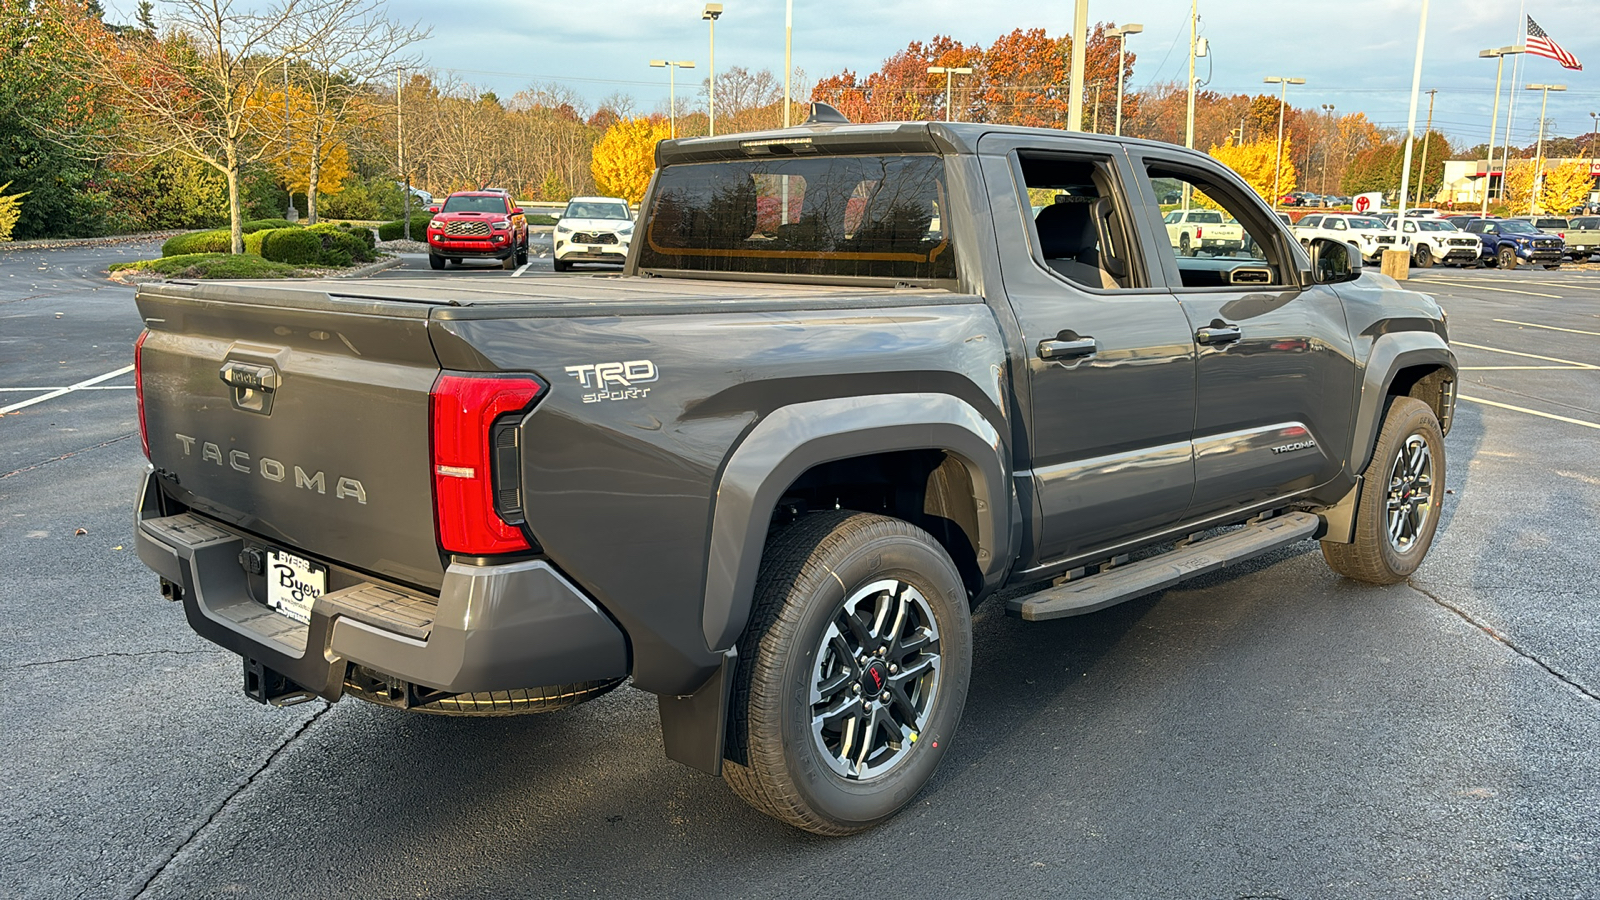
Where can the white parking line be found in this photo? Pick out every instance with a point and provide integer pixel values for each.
(1528, 368)
(1532, 412)
(1550, 327)
(1485, 287)
(66, 390)
(96, 387)
(520, 270)
(1554, 359)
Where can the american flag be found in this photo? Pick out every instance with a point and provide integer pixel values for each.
(1540, 44)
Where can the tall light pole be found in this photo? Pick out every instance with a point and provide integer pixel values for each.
(1593, 135)
(672, 67)
(947, 72)
(1327, 109)
(788, 69)
(291, 214)
(1411, 130)
(400, 149)
(1194, 37)
(713, 12)
(1277, 167)
(1422, 171)
(1121, 34)
(1499, 53)
(1080, 40)
(1538, 155)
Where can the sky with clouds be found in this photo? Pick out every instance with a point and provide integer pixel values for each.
(1354, 54)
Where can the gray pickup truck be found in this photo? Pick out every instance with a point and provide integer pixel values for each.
(852, 381)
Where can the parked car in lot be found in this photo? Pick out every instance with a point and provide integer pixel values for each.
(1436, 240)
(593, 230)
(484, 224)
(1368, 233)
(1194, 230)
(1582, 237)
(769, 472)
(1507, 242)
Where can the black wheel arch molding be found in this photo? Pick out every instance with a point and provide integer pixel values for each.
(1402, 362)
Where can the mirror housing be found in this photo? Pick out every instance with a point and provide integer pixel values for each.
(1334, 262)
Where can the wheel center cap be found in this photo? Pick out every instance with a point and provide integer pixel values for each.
(875, 678)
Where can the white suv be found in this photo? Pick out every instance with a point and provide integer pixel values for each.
(1368, 233)
(593, 229)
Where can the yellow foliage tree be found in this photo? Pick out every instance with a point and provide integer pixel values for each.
(10, 211)
(1255, 163)
(625, 157)
(1518, 179)
(1565, 186)
(296, 145)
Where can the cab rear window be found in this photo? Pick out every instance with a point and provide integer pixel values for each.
(824, 216)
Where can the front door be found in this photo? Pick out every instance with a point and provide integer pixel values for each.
(1275, 377)
(1107, 353)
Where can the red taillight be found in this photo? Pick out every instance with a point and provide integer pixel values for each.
(138, 389)
(464, 409)
(1198, 231)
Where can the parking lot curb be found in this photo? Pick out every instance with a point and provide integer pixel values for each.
(372, 268)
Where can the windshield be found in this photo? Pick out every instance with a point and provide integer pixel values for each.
(1437, 226)
(461, 204)
(1515, 227)
(831, 216)
(1365, 222)
(595, 210)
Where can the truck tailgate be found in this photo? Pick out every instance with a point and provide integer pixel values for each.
(303, 420)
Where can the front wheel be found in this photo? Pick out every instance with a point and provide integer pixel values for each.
(1506, 258)
(852, 672)
(522, 254)
(1552, 265)
(561, 265)
(435, 262)
(1423, 258)
(1402, 494)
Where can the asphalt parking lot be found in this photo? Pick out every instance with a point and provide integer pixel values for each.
(1270, 731)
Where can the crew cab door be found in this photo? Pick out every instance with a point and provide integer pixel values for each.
(1104, 362)
(1273, 358)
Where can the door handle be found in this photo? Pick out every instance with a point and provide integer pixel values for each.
(1073, 349)
(1218, 333)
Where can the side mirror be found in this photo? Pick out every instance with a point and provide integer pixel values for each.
(434, 210)
(1334, 262)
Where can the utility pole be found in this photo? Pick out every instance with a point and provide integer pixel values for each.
(1593, 135)
(1188, 140)
(400, 149)
(1328, 109)
(1422, 173)
(1080, 41)
(291, 213)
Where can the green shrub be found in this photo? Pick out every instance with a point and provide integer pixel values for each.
(215, 241)
(294, 246)
(394, 231)
(341, 243)
(252, 241)
(255, 225)
(210, 265)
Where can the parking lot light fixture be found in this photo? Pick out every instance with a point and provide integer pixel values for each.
(1277, 167)
(672, 67)
(947, 72)
(1499, 53)
(1121, 34)
(712, 13)
(1538, 154)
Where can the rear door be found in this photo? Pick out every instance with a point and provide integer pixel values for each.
(1275, 384)
(301, 418)
(1105, 348)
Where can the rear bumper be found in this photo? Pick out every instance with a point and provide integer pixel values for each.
(492, 627)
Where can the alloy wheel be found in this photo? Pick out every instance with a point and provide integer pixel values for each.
(1410, 500)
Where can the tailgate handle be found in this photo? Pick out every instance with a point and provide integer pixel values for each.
(253, 386)
(255, 378)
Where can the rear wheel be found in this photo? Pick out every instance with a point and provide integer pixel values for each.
(1401, 497)
(1506, 258)
(852, 672)
(1183, 245)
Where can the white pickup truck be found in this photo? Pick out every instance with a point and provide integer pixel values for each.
(1436, 240)
(1368, 233)
(1191, 230)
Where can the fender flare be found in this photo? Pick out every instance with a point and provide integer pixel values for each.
(793, 439)
(1390, 353)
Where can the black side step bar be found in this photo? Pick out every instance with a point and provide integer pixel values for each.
(1110, 587)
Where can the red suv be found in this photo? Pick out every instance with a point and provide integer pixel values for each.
(484, 224)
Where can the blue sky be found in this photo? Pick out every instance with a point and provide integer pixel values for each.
(1364, 62)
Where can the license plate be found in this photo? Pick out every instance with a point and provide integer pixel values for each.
(293, 583)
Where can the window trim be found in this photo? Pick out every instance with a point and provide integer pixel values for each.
(1139, 276)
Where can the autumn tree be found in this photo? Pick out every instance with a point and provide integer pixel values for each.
(1565, 187)
(1255, 162)
(349, 45)
(10, 211)
(1518, 183)
(625, 158)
